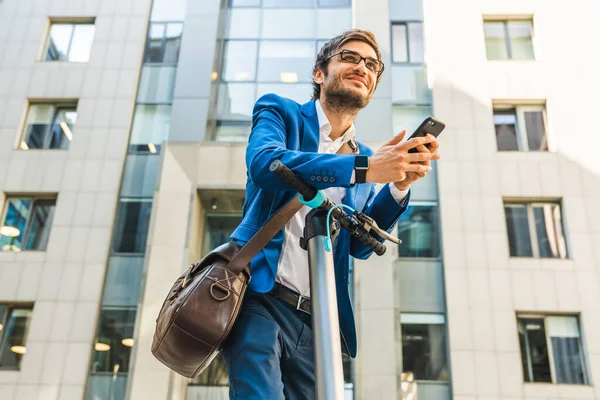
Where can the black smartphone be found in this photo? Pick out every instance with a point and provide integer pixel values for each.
(429, 125)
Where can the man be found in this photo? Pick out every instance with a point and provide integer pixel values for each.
(269, 353)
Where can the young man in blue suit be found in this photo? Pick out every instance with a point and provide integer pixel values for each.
(269, 353)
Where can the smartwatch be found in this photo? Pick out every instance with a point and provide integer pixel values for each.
(361, 165)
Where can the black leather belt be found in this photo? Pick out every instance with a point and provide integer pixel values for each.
(294, 299)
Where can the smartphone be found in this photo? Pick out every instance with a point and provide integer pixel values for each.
(429, 125)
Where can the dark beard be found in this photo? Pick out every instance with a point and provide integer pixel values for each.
(340, 99)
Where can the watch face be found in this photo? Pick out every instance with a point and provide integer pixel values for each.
(361, 162)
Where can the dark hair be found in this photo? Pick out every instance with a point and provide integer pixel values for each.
(333, 46)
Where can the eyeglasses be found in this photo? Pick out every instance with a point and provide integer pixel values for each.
(355, 58)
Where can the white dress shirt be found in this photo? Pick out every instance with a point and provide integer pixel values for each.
(292, 270)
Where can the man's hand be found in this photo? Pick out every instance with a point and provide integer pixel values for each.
(393, 163)
(415, 176)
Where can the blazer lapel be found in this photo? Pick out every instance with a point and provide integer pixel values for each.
(311, 132)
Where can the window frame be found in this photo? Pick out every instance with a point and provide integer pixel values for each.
(57, 107)
(10, 307)
(508, 46)
(27, 232)
(550, 348)
(66, 21)
(408, 47)
(535, 246)
(522, 136)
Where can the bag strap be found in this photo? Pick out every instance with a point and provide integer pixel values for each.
(275, 224)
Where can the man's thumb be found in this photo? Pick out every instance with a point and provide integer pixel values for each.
(396, 139)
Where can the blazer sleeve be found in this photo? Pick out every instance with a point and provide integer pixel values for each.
(385, 210)
(268, 142)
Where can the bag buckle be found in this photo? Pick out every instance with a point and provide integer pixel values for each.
(301, 299)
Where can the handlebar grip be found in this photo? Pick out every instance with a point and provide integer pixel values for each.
(289, 177)
(372, 243)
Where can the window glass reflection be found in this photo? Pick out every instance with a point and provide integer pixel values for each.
(157, 84)
(112, 349)
(14, 326)
(424, 347)
(27, 224)
(243, 23)
(517, 225)
(70, 42)
(288, 24)
(289, 62)
(151, 125)
(239, 61)
(236, 101)
(133, 220)
(418, 230)
(123, 281)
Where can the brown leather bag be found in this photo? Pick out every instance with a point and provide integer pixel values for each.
(204, 302)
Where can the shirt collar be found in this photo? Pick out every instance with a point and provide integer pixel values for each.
(325, 126)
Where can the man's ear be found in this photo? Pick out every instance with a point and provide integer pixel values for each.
(318, 76)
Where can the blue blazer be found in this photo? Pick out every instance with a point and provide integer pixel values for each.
(285, 130)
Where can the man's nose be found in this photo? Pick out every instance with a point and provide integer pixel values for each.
(361, 67)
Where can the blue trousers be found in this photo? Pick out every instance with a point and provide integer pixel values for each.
(269, 352)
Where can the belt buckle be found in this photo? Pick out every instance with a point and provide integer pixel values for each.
(300, 298)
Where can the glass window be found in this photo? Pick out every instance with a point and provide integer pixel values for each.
(233, 131)
(289, 62)
(407, 43)
(509, 40)
(418, 230)
(151, 125)
(164, 40)
(551, 349)
(536, 130)
(415, 47)
(399, 43)
(288, 3)
(334, 3)
(517, 225)
(408, 117)
(424, 346)
(139, 178)
(70, 42)
(157, 84)
(243, 23)
(520, 128)
(107, 386)
(289, 24)
(27, 224)
(112, 348)
(133, 219)
(239, 60)
(123, 281)
(333, 21)
(495, 40)
(14, 325)
(168, 10)
(549, 231)
(236, 101)
(521, 34)
(49, 126)
(409, 84)
(505, 122)
(535, 230)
